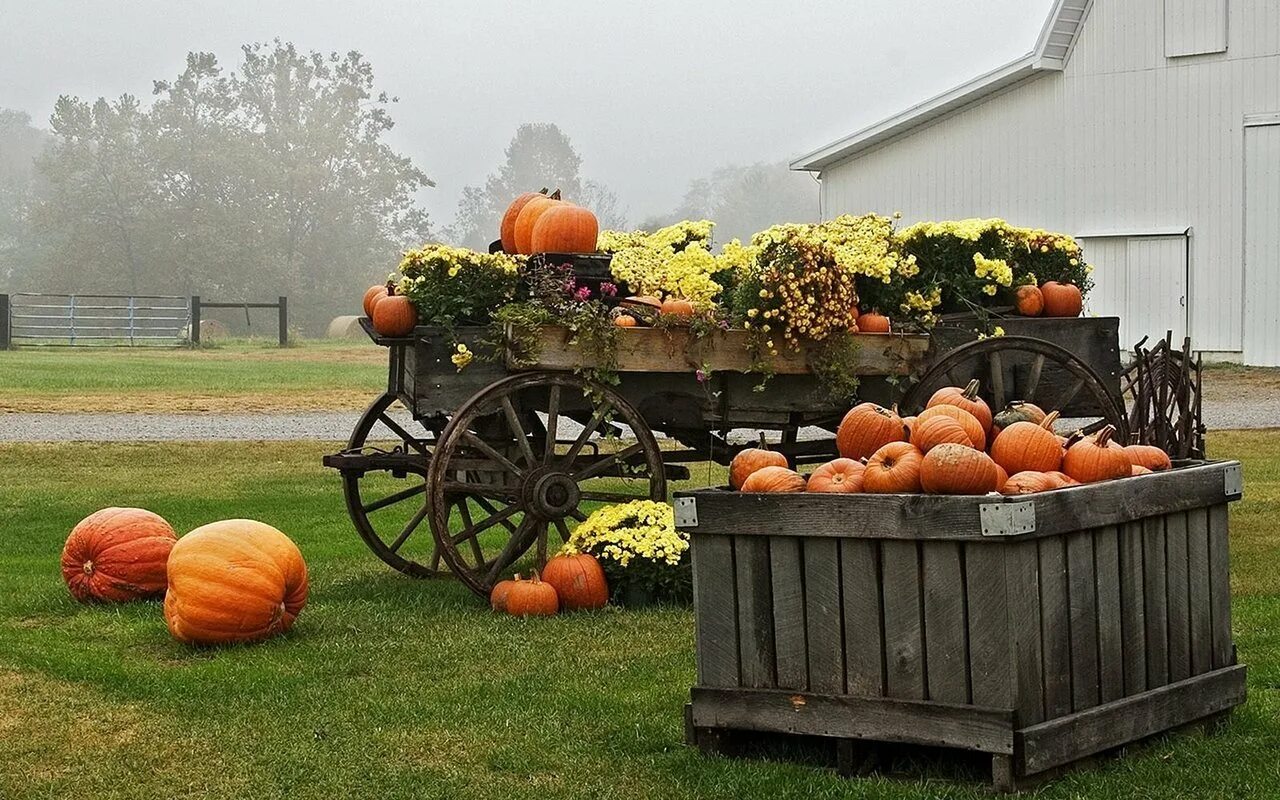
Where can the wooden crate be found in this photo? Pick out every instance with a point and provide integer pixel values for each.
(1040, 630)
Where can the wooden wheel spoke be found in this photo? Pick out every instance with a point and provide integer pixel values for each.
(1033, 378)
(604, 464)
(1070, 395)
(490, 490)
(563, 528)
(392, 499)
(553, 422)
(518, 431)
(410, 440)
(487, 506)
(996, 365)
(578, 514)
(587, 430)
(484, 447)
(464, 511)
(516, 544)
(410, 528)
(471, 531)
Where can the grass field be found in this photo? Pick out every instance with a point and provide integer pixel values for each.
(392, 688)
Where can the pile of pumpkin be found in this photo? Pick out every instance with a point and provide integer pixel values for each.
(227, 582)
(1050, 299)
(569, 582)
(945, 450)
(644, 310)
(536, 222)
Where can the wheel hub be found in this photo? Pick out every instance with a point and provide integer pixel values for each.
(551, 494)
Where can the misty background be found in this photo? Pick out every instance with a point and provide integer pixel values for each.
(245, 149)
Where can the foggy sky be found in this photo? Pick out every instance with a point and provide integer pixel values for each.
(652, 94)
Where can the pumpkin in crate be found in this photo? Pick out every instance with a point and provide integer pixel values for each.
(1137, 470)
(394, 315)
(625, 321)
(565, 228)
(578, 580)
(1030, 483)
(866, 428)
(371, 297)
(958, 469)
(970, 423)
(233, 581)
(751, 459)
(1062, 480)
(1028, 447)
(1028, 300)
(841, 476)
(966, 399)
(527, 218)
(1002, 477)
(508, 227)
(532, 598)
(677, 309)
(893, 469)
(1145, 455)
(1090, 459)
(873, 322)
(1062, 299)
(939, 429)
(116, 555)
(1017, 411)
(498, 597)
(774, 480)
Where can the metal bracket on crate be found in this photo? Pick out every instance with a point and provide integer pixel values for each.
(1007, 519)
(1232, 480)
(686, 512)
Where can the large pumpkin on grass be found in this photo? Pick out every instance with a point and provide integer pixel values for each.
(841, 476)
(234, 581)
(565, 228)
(116, 555)
(893, 469)
(528, 218)
(752, 459)
(507, 229)
(958, 469)
(578, 580)
(866, 428)
(532, 598)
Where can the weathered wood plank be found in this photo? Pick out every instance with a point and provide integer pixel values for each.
(1055, 626)
(1133, 611)
(717, 617)
(945, 627)
(1175, 531)
(755, 612)
(822, 616)
(1156, 599)
(1107, 589)
(863, 645)
(1022, 577)
(903, 618)
(990, 647)
(1200, 608)
(1220, 587)
(1130, 719)
(880, 719)
(1082, 591)
(790, 648)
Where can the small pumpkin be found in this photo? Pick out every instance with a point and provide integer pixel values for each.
(625, 321)
(565, 228)
(371, 297)
(1026, 446)
(578, 580)
(970, 423)
(966, 399)
(1138, 469)
(957, 469)
(751, 459)
(893, 469)
(498, 597)
(676, 308)
(1030, 483)
(1028, 300)
(1062, 299)
(1017, 411)
(938, 430)
(507, 228)
(116, 555)
(394, 315)
(1097, 458)
(841, 476)
(774, 480)
(237, 580)
(1062, 480)
(1145, 455)
(532, 598)
(909, 424)
(874, 322)
(866, 428)
(528, 217)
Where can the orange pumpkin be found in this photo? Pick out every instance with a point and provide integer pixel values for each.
(970, 423)
(498, 597)
(371, 297)
(1145, 455)
(625, 321)
(938, 430)
(1027, 447)
(866, 428)
(1028, 300)
(1062, 299)
(966, 399)
(532, 598)
(676, 308)
(909, 425)
(1137, 469)
(565, 228)
(578, 580)
(873, 322)
(893, 469)
(958, 469)
(1030, 483)
(116, 555)
(1002, 477)
(528, 217)
(508, 226)
(1097, 458)
(394, 315)
(841, 476)
(1017, 411)
(234, 581)
(773, 480)
(752, 459)
(1062, 479)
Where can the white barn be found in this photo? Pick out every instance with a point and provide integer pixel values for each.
(1150, 129)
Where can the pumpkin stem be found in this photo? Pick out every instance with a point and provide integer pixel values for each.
(543, 190)
(1049, 419)
(763, 444)
(536, 577)
(1104, 435)
(1074, 439)
(391, 287)
(971, 391)
(555, 195)
(88, 567)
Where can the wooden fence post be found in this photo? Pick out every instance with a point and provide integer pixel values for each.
(5, 330)
(284, 321)
(195, 319)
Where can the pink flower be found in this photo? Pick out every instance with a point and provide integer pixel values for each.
(583, 294)
(701, 376)
(607, 289)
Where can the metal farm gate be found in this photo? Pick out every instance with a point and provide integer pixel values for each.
(100, 319)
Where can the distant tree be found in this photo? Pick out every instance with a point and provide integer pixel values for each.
(604, 203)
(20, 144)
(743, 200)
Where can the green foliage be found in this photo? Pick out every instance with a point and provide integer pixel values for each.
(452, 286)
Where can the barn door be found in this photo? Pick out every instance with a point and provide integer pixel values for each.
(1143, 281)
(1262, 245)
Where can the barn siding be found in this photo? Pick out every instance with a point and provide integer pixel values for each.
(1124, 139)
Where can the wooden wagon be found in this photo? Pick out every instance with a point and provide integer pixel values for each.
(485, 463)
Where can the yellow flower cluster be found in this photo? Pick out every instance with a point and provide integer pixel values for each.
(674, 261)
(920, 304)
(452, 260)
(969, 230)
(672, 237)
(1046, 241)
(641, 529)
(995, 271)
(462, 357)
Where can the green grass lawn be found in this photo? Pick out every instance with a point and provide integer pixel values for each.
(390, 687)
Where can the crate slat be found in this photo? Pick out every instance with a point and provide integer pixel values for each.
(1082, 594)
(1022, 575)
(824, 633)
(717, 628)
(1175, 531)
(1220, 587)
(1107, 590)
(1156, 600)
(903, 620)
(1055, 626)
(787, 572)
(1200, 608)
(755, 612)
(945, 628)
(1133, 618)
(864, 646)
(990, 648)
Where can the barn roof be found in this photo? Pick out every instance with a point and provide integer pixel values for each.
(1050, 54)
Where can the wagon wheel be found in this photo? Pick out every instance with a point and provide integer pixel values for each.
(1010, 368)
(528, 458)
(384, 469)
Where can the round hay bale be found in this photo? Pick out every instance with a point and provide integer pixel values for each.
(212, 330)
(345, 327)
